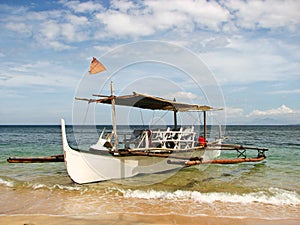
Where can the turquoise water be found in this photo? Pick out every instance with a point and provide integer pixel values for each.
(274, 183)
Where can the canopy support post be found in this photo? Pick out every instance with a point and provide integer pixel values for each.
(175, 115)
(175, 119)
(113, 115)
(204, 124)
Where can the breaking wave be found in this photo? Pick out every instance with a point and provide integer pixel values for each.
(6, 182)
(274, 196)
(9, 182)
(57, 186)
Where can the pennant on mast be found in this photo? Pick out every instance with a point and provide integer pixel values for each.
(96, 66)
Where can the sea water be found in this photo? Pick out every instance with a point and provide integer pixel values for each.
(268, 189)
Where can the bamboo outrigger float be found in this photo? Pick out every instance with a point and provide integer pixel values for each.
(117, 156)
(40, 159)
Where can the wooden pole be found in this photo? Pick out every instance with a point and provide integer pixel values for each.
(175, 119)
(41, 159)
(204, 125)
(175, 116)
(113, 115)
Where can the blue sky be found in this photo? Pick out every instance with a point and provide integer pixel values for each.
(251, 47)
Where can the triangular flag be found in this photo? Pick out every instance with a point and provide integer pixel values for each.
(96, 66)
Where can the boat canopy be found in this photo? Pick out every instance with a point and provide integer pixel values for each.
(149, 102)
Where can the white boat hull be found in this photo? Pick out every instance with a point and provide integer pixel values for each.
(87, 167)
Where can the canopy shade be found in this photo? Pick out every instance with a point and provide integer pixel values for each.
(149, 102)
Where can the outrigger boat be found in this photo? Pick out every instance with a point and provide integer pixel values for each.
(117, 156)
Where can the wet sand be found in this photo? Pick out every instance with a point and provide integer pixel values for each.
(46, 207)
(126, 219)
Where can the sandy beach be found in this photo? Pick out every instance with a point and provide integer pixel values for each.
(125, 219)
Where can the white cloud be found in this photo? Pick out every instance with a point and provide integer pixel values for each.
(79, 21)
(182, 96)
(57, 29)
(68, 31)
(234, 112)
(50, 30)
(37, 16)
(280, 115)
(119, 24)
(290, 91)
(204, 14)
(150, 17)
(282, 110)
(270, 14)
(123, 6)
(58, 46)
(136, 19)
(59, 33)
(82, 7)
(245, 60)
(20, 28)
(20, 68)
(41, 73)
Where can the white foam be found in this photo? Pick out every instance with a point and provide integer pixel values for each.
(38, 186)
(68, 188)
(58, 186)
(273, 196)
(6, 183)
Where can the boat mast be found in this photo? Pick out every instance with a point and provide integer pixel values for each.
(113, 116)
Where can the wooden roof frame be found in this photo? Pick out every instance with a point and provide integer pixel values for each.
(144, 101)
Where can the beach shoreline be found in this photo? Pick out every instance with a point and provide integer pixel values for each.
(141, 219)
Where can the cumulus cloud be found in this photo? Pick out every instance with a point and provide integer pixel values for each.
(268, 14)
(82, 7)
(282, 110)
(21, 28)
(234, 112)
(50, 30)
(80, 21)
(119, 24)
(56, 29)
(280, 115)
(182, 95)
(149, 17)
